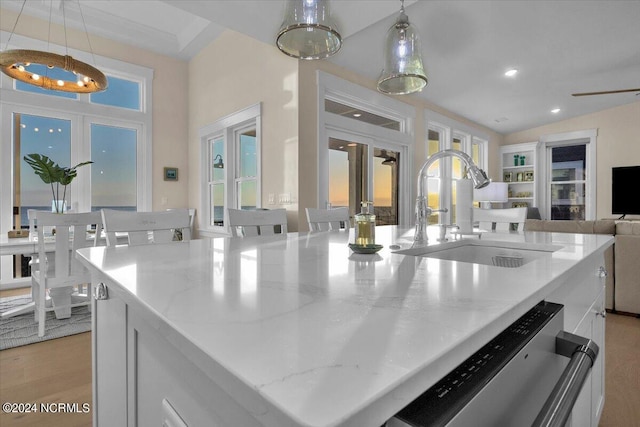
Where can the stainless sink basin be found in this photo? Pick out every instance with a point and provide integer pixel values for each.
(499, 254)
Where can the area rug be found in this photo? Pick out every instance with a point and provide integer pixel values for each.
(22, 330)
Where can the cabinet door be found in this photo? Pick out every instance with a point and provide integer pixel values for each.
(597, 374)
(109, 341)
(588, 407)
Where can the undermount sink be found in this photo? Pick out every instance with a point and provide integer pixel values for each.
(499, 254)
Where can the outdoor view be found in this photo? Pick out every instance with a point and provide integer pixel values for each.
(348, 179)
(113, 151)
(245, 173)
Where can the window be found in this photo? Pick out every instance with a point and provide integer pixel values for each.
(120, 93)
(569, 168)
(44, 135)
(231, 167)
(72, 128)
(567, 182)
(113, 174)
(444, 133)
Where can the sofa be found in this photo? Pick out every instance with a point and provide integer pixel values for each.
(622, 261)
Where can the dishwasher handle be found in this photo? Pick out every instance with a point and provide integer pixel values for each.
(583, 353)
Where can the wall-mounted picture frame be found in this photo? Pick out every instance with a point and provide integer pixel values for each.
(520, 177)
(170, 174)
(528, 176)
(507, 177)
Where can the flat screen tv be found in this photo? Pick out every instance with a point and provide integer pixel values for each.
(625, 199)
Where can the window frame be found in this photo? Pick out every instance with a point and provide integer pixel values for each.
(330, 125)
(449, 129)
(81, 111)
(228, 128)
(589, 138)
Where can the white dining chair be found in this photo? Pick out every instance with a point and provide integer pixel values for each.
(328, 219)
(248, 223)
(33, 232)
(500, 219)
(60, 274)
(146, 227)
(192, 217)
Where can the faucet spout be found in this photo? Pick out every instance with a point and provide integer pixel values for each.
(423, 210)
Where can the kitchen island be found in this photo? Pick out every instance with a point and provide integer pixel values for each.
(297, 330)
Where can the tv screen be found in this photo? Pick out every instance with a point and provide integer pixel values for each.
(624, 194)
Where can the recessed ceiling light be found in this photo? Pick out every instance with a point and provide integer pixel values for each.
(555, 110)
(510, 73)
(351, 144)
(357, 115)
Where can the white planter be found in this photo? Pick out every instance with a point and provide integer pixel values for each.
(61, 206)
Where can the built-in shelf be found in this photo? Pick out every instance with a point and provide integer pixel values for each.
(521, 177)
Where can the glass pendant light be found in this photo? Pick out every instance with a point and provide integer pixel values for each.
(403, 72)
(307, 31)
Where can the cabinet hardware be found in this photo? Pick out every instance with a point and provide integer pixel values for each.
(602, 313)
(602, 272)
(101, 292)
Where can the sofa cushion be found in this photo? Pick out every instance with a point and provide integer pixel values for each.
(568, 226)
(628, 227)
(627, 255)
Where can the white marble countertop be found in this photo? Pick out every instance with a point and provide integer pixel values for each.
(316, 335)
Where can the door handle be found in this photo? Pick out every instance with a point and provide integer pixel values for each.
(583, 353)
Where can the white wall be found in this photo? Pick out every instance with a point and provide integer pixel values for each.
(232, 73)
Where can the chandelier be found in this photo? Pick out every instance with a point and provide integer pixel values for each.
(17, 63)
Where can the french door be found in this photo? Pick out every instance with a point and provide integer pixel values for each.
(363, 169)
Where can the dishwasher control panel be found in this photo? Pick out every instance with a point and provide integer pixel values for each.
(442, 402)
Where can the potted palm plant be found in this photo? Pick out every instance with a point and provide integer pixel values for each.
(55, 175)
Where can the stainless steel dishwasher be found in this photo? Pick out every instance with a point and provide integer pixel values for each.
(529, 375)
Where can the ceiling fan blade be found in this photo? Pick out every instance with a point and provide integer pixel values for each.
(606, 92)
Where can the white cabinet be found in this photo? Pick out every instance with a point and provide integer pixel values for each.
(519, 168)
(142, 376)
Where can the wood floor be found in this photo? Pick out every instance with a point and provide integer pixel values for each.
(59, 371)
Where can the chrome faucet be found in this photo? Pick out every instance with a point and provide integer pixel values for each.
(423, 211)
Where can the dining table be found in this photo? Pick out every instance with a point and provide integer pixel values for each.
(23, 245)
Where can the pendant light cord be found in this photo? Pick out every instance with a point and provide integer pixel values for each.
(84, 25)
(64, 25)
(15, 24)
